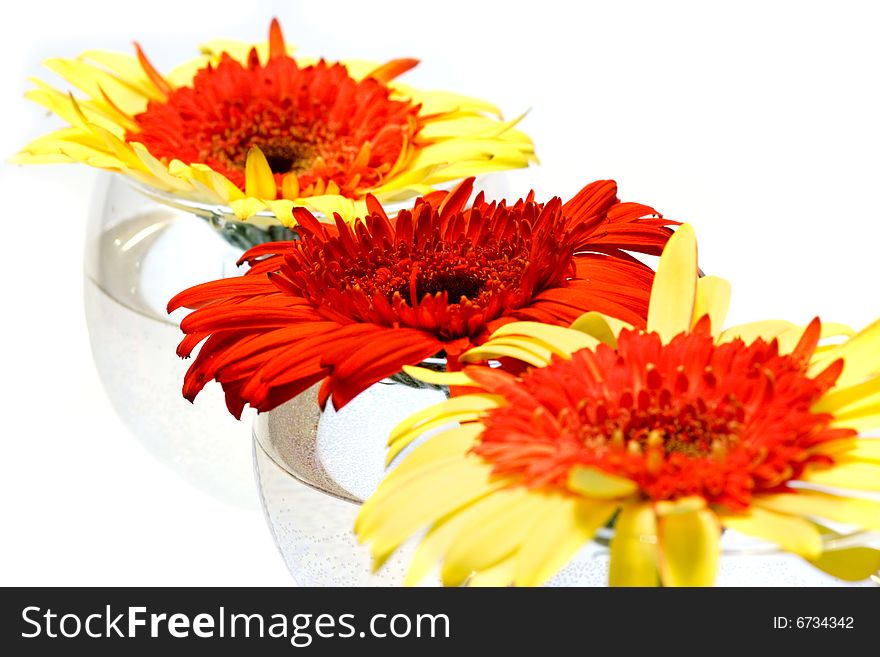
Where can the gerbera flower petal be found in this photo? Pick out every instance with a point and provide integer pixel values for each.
(867, 449)
(595, 484)
(848, 563)
(437, 540)
(859, 356)
(634, 547)
(491, 534)
(855, 475)
(566, 526)
(501, 574)
(713, 299)
(259, 179)
(463, 481)
(845, 398)
(809, 503)
(765, 330)
(603, 328)
(791, 533)
(689, 547)
(555, 339)
(465, 408)
(674, 292)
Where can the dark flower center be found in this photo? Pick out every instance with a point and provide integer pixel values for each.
(455, 285)
(284, 157)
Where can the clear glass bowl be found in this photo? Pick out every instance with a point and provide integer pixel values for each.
(315, 468)
(140, 252)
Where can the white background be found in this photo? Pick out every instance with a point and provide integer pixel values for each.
(755, 121)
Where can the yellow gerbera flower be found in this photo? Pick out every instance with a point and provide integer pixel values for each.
(672, 433)
(251, 127)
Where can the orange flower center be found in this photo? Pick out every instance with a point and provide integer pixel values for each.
(682, 419)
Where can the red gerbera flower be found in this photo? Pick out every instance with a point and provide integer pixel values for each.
(255, 129)
(352, 304)
(691, 418)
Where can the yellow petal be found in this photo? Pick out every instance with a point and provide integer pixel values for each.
(561, 341)
(182, 75)
(469, 426)
(488, 539)
(246, 208)
(259, 179)
(841, 398)
(504, 349)
(224, 188)
(748, 333)
(290, 186)
(93, 80)
(603, 328)
(330, 204)
(441, 451)
(282, 209)
(466, 126)
(835, 329)
(50, 147)
(563, 531)
(673, 293)
(791, 533)
(849, 511)
(501, 574)
(789, 338)
(598, 485)
(76, 112)
(535, 347)
(442, 102)
(866, 449)
(860, 422)
(861, 356)
(455, 409)
(634, 547)
(453, 442)
(861, 416)
(467, 150)
(845, 559)
(157, 169)
(689, 548)
(436, 542)
(119, 148)
(438, 378)
(408, 177)
(688, 504)
(855, 475)
(713, 299)
(126, 68)
(425, 499)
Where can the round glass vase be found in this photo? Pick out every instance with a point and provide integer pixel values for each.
(314, 469)
(142, 247)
